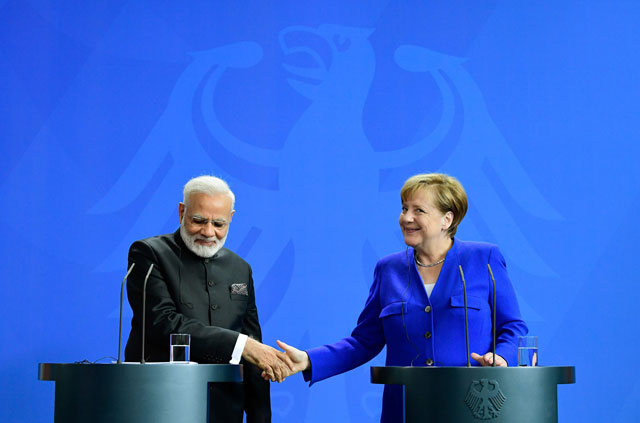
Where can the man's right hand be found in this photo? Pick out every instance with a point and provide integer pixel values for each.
(276, 365)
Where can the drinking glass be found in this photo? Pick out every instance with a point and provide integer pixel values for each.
(180, 343)
(528, 351)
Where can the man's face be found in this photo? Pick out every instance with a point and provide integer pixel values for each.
(204, 222)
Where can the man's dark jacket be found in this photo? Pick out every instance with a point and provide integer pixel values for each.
(190, 294)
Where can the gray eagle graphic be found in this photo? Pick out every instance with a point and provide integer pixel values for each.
(485, 399)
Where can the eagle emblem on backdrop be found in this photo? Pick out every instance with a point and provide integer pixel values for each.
(332, 67)
(325, 172)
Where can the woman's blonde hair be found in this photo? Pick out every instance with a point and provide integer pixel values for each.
(447, 193)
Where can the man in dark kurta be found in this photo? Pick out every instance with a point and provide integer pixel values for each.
(200, 288)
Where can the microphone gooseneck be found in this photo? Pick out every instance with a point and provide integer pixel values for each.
(493, 317)
(120, 324)
(144, 306)
(466, 315)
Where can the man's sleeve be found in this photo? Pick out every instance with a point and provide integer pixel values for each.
(238, 349)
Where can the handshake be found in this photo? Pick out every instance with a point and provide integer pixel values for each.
(276, 365)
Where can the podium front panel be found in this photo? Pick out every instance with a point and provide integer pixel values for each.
(132, 392)
(475, 394)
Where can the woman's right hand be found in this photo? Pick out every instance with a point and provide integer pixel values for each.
(299, 358)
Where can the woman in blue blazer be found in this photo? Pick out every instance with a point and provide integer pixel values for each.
(416, 303)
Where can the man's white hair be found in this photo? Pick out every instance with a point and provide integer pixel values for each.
(209, 185)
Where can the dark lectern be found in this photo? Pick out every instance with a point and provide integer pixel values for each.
(132, 393)
(475, 394)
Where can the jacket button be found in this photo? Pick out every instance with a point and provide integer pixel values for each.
(211, 283)
(427, 309)
(206, 261)
(214, 307)
(429, 362)
(427, 335)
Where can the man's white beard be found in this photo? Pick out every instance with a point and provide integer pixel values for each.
(200, 250)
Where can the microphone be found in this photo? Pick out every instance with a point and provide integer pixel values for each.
(466, 315)
(120, 325)
(493, 318)
(144, 306)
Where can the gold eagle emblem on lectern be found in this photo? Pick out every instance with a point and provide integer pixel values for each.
(485, 399)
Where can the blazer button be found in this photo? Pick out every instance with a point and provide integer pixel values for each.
(427, 309)
(214, 307)
(206, 261)
(429, 362)
(211, 283)
(427, 335)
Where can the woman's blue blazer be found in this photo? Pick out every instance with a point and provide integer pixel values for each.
(423, 331)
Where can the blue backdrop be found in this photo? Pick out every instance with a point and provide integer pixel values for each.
(315, 113)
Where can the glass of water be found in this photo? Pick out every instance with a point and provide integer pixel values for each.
(180, 343)
(528, 351)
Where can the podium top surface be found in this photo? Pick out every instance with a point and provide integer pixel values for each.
(403, 375)
(207, 372)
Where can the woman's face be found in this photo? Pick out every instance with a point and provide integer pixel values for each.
(421, 222)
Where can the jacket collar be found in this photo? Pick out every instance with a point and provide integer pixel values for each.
(447, 280)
